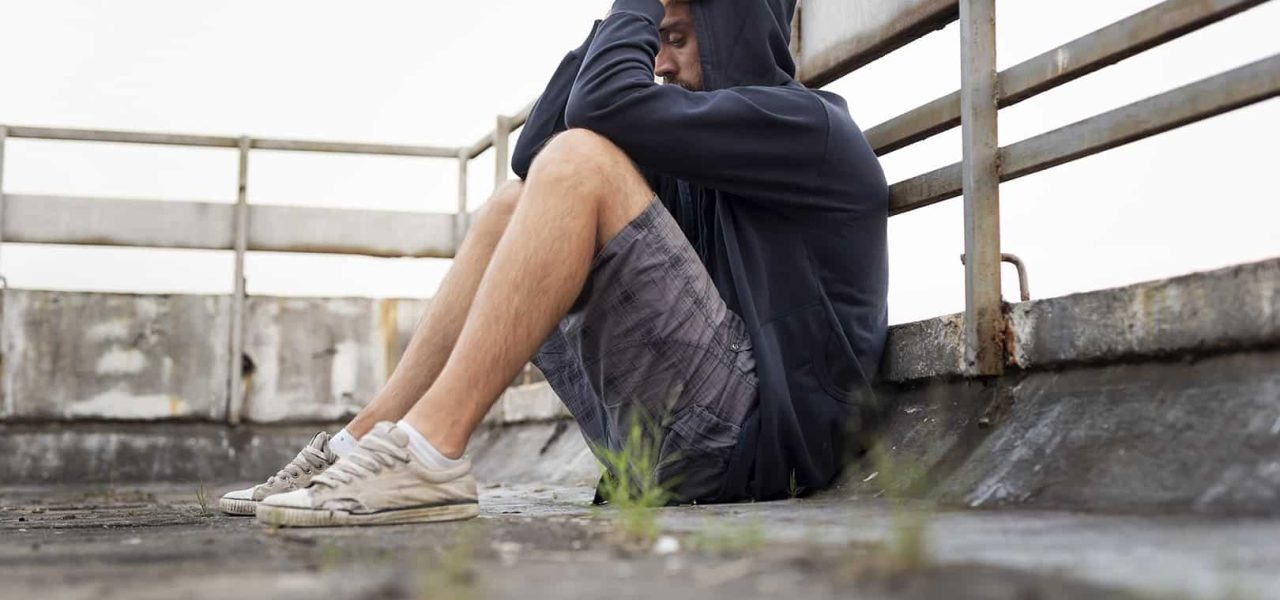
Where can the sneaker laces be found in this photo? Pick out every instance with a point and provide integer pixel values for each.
(376, 452)
(310, 459)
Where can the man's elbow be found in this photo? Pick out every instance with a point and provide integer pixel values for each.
(583, 112)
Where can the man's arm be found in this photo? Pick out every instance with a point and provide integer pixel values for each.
(546, 119)
(777, 144)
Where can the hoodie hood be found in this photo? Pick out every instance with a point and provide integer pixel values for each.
(744, 42)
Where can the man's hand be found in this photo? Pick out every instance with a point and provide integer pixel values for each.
(665, 4)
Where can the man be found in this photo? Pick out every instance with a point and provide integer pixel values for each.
(705, 259)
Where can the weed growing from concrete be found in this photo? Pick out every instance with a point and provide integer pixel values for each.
(202, 499)
(631, 486)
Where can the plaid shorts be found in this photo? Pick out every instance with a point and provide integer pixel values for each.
(650, 343)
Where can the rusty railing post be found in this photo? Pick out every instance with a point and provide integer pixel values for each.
(235, 389)
(983, 315)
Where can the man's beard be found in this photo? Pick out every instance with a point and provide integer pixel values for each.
(684, 84)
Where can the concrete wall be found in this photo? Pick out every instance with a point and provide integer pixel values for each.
(74, 355)
(114, 356)
(1162, 395)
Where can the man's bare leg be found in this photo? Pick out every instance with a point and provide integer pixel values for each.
(437, 331)
(581, 191)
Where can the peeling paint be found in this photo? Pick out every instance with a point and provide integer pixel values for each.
(119, 403)
(121, 361)
(112, 330)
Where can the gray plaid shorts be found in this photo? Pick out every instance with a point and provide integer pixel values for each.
(650, 342)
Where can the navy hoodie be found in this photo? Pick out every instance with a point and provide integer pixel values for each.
(780, 194)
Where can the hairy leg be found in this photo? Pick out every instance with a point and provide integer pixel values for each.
(581, 191)
(437, 331)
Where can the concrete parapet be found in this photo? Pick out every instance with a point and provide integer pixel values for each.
(1199, 435)
(1228, 309)
(71, 355)
(76, 355)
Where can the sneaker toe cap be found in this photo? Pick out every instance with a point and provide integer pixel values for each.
(295, 499)
(245, 494)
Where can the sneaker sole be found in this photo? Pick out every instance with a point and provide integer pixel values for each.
(238, 508)
(280, 516)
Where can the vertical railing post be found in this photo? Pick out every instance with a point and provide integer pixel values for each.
(4, 138)
(460, 218)
(501, 156)
(983, 314)
(235, 393)
(10, 403)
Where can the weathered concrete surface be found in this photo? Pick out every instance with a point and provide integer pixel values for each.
(108, 452)
(1174, 436)
(1235, 308)
(1177, 437)
(534, 452)
(549, 453)
(114, 356)
(321, 359)
(528, 402)
(77, 542)
(77, 356)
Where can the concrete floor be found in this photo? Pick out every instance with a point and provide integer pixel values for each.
(542, 542)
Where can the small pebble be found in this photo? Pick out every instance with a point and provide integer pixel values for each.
(666, 545)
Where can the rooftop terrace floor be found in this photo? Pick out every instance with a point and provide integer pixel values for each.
(547, 542)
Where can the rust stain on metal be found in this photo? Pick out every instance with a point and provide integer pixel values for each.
(1010, 341)
(388, 313)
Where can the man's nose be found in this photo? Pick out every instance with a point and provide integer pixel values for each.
(663, 66)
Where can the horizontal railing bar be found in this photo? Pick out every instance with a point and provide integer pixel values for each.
(122, 137)
(1143, 31)
(1239, 87)
(518, 119)
(39, 219)
(908, 22)
(213, 141)
(483, 144)
(355, 148)
(480, 146)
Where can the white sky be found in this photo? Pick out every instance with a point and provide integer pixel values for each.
(430, 72)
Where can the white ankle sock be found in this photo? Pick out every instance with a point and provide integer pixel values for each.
(342, 442)
(424, 451)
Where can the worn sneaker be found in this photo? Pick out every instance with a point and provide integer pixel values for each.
(312, 461)
(378, 483)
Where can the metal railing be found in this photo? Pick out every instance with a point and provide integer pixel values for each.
(831, 39)
(240, 227)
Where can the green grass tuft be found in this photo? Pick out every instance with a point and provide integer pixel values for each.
(202, 499)
(631, 486)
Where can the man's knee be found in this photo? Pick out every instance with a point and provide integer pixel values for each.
(580, 156)
(502, 203)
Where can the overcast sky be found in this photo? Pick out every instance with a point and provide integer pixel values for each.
(437, 73)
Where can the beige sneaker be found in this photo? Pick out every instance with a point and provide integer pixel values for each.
(378, 483)
(312, 461)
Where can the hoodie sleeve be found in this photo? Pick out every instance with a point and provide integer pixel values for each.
(546, 118)
(776, 144)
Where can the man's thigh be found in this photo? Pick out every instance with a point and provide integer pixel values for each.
(649, 343)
